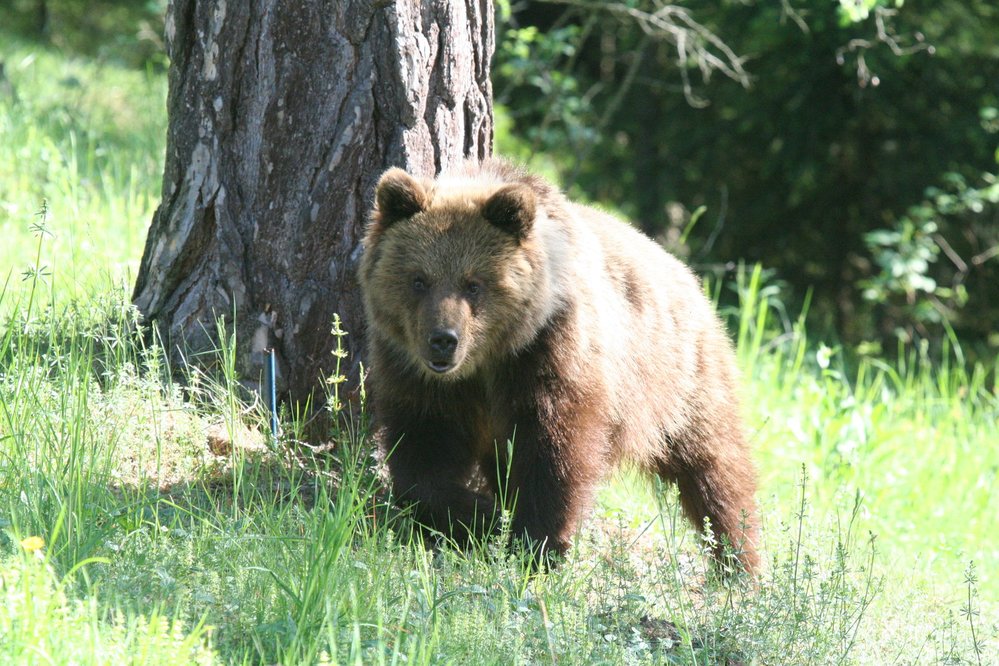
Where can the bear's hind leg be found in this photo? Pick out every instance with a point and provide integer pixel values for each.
(722, 490)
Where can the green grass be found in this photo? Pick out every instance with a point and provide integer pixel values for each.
(41, 623)
(90, 141)
(175, 532)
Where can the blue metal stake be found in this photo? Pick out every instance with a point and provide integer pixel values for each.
(272, 377)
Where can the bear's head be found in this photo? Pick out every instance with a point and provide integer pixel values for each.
(453, 275)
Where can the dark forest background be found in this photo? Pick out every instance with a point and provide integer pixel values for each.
(849, 147)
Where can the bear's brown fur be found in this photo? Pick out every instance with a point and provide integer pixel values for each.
(498, 310)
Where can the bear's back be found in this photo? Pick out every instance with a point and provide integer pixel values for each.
(654, 330)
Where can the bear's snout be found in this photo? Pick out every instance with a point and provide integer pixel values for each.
(443, 342)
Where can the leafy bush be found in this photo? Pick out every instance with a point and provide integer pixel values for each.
(938, 264)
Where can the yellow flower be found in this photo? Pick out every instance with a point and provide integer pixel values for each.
(32, 543)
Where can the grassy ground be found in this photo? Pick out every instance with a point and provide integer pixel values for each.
(171, 531)
(89, 140)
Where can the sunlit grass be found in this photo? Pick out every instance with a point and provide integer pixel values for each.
(41, 623)
(89, 140)
(143, 521)
(915, 440)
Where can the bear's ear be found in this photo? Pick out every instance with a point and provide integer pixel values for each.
(512, 208)
(397, 197)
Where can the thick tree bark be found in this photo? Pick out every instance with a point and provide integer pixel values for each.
(281, 117)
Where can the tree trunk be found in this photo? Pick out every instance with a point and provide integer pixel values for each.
(282, 115)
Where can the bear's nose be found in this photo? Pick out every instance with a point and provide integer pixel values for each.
(443, 342)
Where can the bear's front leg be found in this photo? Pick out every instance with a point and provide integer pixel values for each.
(431, 465)
(559, 457)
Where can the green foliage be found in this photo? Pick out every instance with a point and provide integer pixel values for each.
(856, 11)
(904, 255)
(852, 110)
(535, 59)
(128, 32)
(923, 297)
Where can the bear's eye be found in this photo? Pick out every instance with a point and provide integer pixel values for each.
(473, 288)
(419, 285)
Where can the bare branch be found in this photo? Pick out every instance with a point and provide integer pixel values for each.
(789, 12)
(885, 35)
(982, 257)
(954, 257)
(694, 42)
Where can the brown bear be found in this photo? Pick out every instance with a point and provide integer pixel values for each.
(499, 311)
